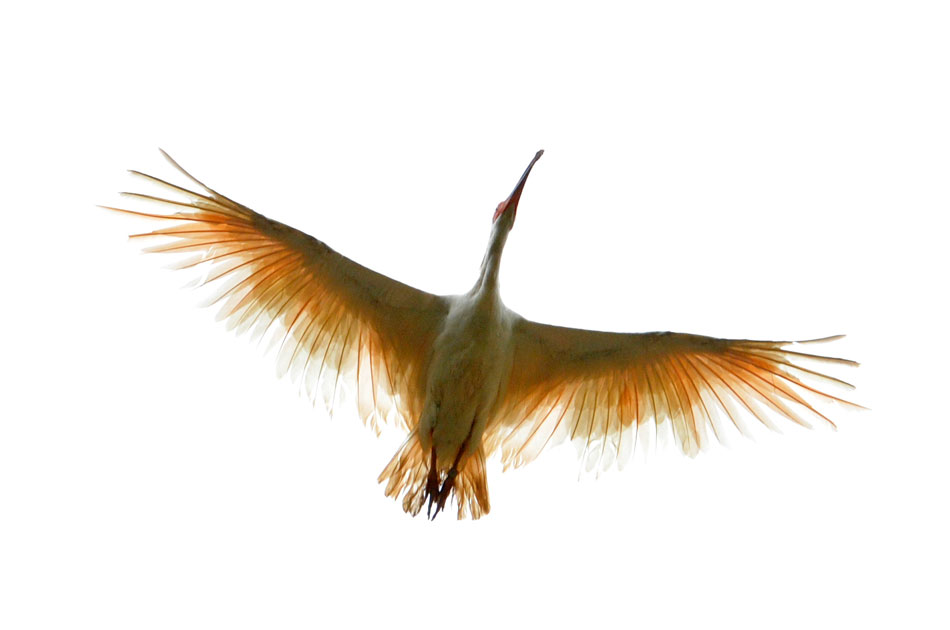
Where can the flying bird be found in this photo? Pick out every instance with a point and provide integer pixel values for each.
(465, 377)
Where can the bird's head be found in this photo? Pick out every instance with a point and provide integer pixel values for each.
(509, 207)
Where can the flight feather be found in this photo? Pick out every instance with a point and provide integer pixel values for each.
(599, 388)
(337, 325)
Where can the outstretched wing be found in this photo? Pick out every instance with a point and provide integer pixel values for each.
(599, 388)
(338, 325)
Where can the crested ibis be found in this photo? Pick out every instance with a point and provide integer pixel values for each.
(462, 375)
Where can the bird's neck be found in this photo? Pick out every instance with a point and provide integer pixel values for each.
(491, 263)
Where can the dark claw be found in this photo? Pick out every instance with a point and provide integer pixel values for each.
(444, 493)
(432, 485)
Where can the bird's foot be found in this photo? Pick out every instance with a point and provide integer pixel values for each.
(443, 493)
(432, 485)
(449, 482)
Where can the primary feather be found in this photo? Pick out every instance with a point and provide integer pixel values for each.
(330, 317)
(597, 388)
(464, 376)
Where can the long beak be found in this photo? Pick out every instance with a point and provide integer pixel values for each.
(512, 201)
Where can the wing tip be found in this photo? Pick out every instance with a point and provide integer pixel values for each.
(827, 339)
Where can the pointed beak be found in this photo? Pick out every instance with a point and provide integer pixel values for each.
(512, 201)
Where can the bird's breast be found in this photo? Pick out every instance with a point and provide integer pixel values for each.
(471, 362)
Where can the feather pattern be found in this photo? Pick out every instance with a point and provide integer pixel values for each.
(337, 325)
(598, 388)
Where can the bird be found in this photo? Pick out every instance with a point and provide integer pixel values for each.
(464, 377)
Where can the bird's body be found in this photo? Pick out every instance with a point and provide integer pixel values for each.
(463, 375)
(471, 359)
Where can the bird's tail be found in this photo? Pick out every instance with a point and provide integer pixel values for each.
(408, 471)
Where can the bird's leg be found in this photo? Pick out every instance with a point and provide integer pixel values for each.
(449, 482)
(432, 483)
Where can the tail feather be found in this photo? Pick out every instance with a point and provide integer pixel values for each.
(408, 470)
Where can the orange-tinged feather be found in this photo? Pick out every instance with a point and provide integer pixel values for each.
(666, 378)
(325, 310)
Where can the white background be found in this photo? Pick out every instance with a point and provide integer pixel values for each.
(738, 169)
